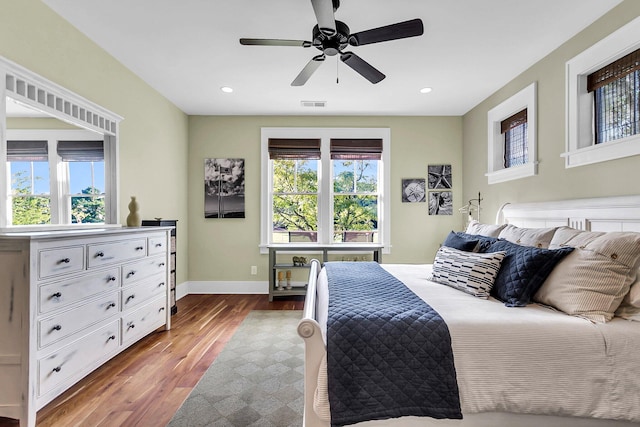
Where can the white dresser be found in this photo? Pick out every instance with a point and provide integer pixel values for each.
(70, 301)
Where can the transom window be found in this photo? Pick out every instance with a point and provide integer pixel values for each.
(324, 185)
(514, 130)
(616, 95)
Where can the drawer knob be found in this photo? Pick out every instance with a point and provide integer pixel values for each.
(160, 284)
(161, 264)
(56, 295)
(112, 337)
(111, 305)
(57, 369)
(139, 248)
(158, 245)
(99, 254)
(130, 297)
(64, 261)
(112, 279)
(131, 273)
(131, 325)
(56, 328)
(161, 309)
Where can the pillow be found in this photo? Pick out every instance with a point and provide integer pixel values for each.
(592, 281)
(524, 270)
(538, 237)
(459, 242)
(483, 241)
(488, 230)
(470, 272)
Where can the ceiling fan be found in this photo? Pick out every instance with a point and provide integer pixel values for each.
(331, 37)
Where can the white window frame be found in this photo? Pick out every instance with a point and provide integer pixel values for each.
(325, 194)
(496, 172)
(581, 148)
(40, 94)
(58, 173)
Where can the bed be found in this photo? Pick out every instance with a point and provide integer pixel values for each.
(535, 362)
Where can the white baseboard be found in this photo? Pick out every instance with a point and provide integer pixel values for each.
(215, 287)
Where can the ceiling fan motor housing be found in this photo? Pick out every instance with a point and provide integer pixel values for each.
(332, 45)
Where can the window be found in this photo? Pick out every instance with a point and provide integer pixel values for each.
(512, 137)
(56, 181)
(324, 186)
(616, 95)
(60, 178)
(514, 129)
(602, 105)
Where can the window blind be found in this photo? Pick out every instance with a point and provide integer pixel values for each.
(614, 71)
(27, 151)
(81, 151)
(516, 120)
(284, 148)
(356, 149)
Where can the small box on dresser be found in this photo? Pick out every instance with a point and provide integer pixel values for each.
(73, 300)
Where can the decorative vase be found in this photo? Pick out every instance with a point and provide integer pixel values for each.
(134, 219)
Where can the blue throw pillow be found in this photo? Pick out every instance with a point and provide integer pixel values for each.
(483, 241)
(458, 242)
(523, 271)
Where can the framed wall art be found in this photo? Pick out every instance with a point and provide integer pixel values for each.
(439, 176)
(440, 203)
(413, 190)
(224, 188)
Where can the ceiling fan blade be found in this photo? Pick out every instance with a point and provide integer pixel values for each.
(362, 67)
(325, 17)
(274, 42)
(401, 30)
(308, 70)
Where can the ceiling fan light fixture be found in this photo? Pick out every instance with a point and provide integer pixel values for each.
(426, 90)
(226, 89)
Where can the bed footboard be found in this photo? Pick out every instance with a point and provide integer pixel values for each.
(314, 347)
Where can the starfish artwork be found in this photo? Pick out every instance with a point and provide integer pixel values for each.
(439, 176)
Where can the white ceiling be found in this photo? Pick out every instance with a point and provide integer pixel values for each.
(188, 49)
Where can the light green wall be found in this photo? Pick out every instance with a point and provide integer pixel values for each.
(153, 134)
(224, 249)
(553, 182)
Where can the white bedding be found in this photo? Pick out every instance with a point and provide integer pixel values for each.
(527, 360)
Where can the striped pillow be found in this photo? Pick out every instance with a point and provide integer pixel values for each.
(470, 272)
(592, 280)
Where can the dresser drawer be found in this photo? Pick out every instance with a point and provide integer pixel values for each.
(55, 261)
(110, 253)
(157, 244)
(54, 328)
(77, 357)
(143, 320)
(143, 291)
(60, 294)
(140, 270)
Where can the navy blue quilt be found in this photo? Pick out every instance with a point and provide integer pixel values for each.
(388, 352)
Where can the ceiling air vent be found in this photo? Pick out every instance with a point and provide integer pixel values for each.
(315, 104)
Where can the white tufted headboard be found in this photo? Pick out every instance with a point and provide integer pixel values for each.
(619, 213)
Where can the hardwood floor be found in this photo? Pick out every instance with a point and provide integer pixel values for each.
(146, 384)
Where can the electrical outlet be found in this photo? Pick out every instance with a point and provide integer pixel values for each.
(254, 270)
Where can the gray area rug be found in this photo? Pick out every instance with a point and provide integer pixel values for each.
(257, 379)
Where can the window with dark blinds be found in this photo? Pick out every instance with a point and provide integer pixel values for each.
(356, 149)
(27, 151)
(616, 92)
(81, 151)
(514, 129)
(282, 149)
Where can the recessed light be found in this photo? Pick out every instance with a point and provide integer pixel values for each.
(226, 89)
(425, 90)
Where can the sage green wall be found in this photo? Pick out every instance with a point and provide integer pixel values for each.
(224, 249)
(553, 182)
(153, 134)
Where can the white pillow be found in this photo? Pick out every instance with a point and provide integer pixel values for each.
(488, 230)
(470, 272)
(536, 237)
